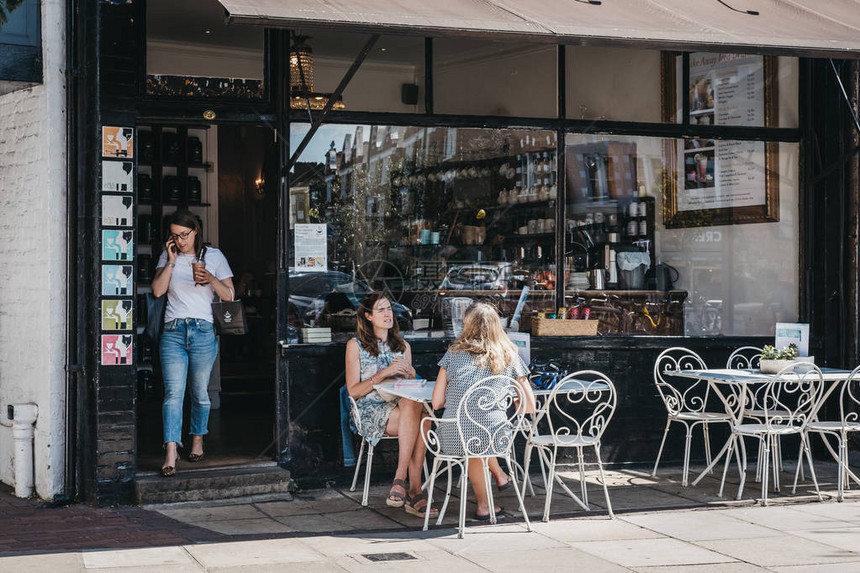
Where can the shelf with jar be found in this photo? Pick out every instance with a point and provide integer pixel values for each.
(174, 171)
(595, 239)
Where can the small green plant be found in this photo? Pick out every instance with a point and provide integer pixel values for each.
(771, 353)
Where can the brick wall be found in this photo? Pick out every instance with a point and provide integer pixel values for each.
(33, 242)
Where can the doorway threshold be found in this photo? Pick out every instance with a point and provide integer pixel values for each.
(213, 483)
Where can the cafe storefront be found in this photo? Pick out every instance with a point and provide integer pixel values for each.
(612, 189)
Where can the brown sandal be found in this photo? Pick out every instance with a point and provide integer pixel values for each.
(169, 471)
(412, 503)
(194, 458)
(395, 498)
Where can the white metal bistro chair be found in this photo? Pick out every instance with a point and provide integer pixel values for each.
(469, 428)
(686, 401)
(749, 358)
(848, 422)
(576, 414)
(356, 419)
(789, 400)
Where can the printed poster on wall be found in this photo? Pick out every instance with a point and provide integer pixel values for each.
(311, 247)
(117, 211)
(117, 142)
(117, 315)
(117, 280)
(724, 89)
(117, 245)
(116, 349)
(117, 176)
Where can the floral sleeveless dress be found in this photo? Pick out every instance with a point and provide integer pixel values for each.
(373, 411)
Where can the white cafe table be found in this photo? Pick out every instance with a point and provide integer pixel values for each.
(737, 380)
(422, 390)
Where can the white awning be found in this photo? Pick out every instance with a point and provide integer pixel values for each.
(801, 27)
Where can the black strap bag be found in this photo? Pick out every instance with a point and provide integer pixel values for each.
(155, 307)
(230, 317)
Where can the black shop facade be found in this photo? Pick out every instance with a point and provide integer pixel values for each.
(611, 197)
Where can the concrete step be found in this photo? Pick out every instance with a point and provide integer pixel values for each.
(212, 484)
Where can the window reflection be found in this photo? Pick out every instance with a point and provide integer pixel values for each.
(430, 216)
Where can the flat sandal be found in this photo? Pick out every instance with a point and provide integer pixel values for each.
(395, 498)
(411, 502)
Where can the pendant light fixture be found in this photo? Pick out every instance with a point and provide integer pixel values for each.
(302, 94)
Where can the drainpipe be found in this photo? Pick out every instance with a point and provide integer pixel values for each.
(23, 418)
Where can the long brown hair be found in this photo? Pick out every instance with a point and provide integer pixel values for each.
(484, 337)
(189, 220)
(364, 329)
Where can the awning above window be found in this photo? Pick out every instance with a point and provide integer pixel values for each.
(801, 27)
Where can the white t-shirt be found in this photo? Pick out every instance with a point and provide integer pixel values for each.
(185, 298)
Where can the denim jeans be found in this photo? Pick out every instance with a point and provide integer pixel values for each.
(187, 348)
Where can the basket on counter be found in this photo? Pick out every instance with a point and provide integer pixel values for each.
(556, 327)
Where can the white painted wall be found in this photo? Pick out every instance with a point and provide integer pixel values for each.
(33, 243)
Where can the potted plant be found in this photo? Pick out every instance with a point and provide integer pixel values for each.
(773, 360)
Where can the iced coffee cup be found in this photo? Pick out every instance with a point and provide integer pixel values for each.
(198, 267)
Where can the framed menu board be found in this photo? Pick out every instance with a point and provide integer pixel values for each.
(714, 181)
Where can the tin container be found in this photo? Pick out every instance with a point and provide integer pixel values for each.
(562, 312)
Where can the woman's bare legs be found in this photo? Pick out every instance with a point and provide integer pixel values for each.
(403, 423)
(479, 484)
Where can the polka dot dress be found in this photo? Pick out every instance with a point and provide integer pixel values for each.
(463, 372)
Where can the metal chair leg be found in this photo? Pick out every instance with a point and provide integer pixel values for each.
(430, 488)
(603, 480)
(662, 443)
(357, 465)
(520, 496)
(367, 474)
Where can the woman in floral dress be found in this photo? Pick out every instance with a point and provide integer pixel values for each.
(377, 353)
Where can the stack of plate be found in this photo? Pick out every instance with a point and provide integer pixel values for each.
(578, 281)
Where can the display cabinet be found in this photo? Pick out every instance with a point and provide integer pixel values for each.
(176, 169)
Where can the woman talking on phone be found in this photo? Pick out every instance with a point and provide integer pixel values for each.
(187, 346)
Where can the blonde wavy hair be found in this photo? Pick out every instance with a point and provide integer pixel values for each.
(484, 337)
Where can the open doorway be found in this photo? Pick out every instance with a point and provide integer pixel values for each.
(241, 160)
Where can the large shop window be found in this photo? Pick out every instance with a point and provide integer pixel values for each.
(435, 217)
(689, 237)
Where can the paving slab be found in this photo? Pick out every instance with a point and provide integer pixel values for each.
(199, 515)
(432, 560)
(847, 511)
(786, 518)
(781, 550)
(550, 560)
(493, 538)
(349, 521)
(847, 538)
(735, 567)
(306, 567)
(154, 558)
(824, 568)
(592, 529)
(260, 526)
(55, 563)
(401, 541)
(253, 553)
(698, 525)
(648, 552)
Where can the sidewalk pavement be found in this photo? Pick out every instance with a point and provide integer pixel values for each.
(659, 526)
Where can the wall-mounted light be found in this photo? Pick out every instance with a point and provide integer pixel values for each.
(261, 186)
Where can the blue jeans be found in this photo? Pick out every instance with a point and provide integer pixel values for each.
(187, 348)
